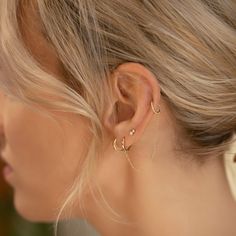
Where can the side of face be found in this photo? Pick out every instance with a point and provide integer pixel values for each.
(45, 153)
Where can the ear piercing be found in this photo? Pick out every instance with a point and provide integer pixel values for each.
(132, 131)
(122, 148)
(153, 109)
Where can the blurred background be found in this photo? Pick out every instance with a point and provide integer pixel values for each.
(11, 224)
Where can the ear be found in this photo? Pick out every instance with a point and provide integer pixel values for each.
(134, 87)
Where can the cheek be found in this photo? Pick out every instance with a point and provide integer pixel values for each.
(45, 156)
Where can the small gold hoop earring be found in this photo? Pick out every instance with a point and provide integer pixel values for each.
(153, 109)
(122, 148)
(116, 147)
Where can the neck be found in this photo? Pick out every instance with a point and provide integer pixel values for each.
(167, 198)
(170, 195)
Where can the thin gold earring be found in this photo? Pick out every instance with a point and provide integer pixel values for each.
(153, 109)
(116, 147)
(123, 147)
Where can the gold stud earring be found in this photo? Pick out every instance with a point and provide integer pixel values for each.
(132, 131)
(153, 109)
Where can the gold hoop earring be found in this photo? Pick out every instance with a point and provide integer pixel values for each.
(122, 148)
(153, 109)
(115, 146)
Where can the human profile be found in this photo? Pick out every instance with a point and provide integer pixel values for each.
(120, 113)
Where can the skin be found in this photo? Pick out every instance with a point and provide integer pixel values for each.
(163, 195)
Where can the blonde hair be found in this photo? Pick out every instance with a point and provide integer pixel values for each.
(188, 45)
